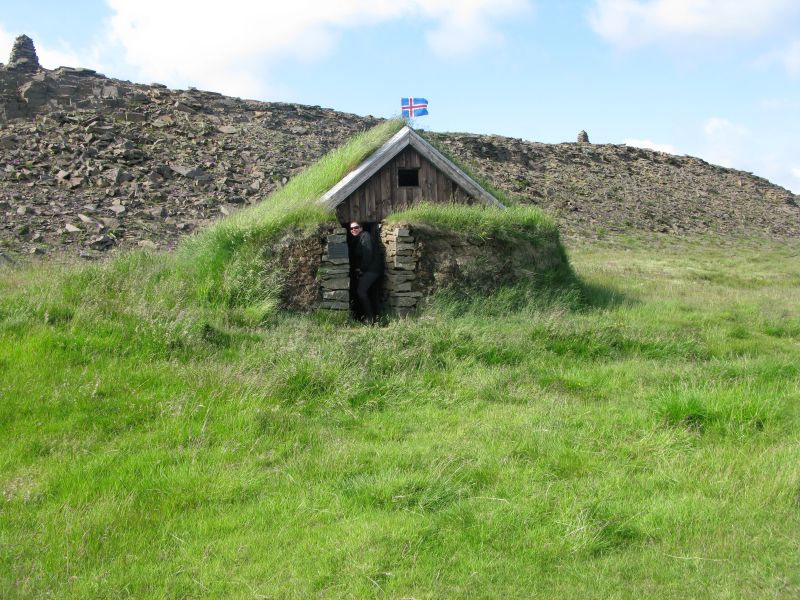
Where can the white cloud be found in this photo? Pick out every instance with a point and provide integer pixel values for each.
(632, 23)
(466, 26)
(732, 145)
(223, 46)
(669, 148)
(791, 58)
(718, 127)
(51, 58)
(726, 142)
(788, 58)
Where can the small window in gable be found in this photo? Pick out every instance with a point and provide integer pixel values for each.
(408, 177)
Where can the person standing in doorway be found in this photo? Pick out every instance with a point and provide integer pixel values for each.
(368, 267)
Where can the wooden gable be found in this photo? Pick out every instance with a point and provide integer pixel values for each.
(404, 171)
(385, 192)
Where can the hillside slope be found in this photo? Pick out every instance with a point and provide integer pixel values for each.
(90, 163)
(595, 187)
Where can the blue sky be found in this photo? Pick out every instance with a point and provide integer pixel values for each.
(718, 79)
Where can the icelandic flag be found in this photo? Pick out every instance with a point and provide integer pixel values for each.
(413, 107)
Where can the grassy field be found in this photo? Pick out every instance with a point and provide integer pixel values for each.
(636, 437)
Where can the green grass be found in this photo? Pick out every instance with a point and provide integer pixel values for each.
(636, 441)
(485, 221)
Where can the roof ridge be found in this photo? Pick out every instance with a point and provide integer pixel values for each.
(378, 159)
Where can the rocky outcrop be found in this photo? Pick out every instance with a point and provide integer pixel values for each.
(23, 55)
(89, 164)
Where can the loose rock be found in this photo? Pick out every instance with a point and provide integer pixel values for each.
(73, 138)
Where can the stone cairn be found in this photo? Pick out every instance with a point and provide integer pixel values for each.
(583, 137)
(23, 55)
(334, 272)
(401, 269)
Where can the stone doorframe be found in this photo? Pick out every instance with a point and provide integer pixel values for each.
(401, 255)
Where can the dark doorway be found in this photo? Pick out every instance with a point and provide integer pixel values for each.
(375, 292)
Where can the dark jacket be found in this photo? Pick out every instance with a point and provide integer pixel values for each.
(368, 254)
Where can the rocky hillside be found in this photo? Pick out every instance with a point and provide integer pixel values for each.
(89, 163)
(597, 188)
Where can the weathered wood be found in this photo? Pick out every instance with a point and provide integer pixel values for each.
(381, 194)
(451, 170)
(362, 205)
(428, 183)
(373, 199)
(386, 188)
(410, 158)
(411, 151)
(353, 180)
(355, 206)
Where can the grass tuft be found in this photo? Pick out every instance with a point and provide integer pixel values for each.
(516, 222)
(719, 409)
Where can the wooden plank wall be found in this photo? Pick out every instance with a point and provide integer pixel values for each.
(381, 194)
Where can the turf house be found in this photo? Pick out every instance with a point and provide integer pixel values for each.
(438, 228)
(405, 171)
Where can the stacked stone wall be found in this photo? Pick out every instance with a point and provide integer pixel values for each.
(299, 255)
(402, 256)
(334, 271)
(315, 268)
(420, 260)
